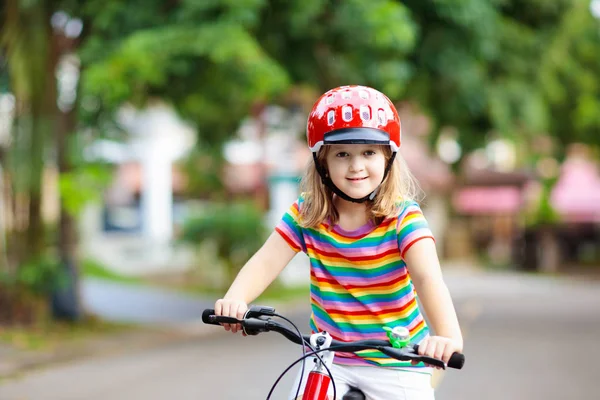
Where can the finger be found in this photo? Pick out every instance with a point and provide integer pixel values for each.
(218, 307)
(448, 353)
(225, 309)
(439, 351)
(225, 312)
(241, 311)
(236, 327)
(430, 350)
(235, 312)
(423, 346)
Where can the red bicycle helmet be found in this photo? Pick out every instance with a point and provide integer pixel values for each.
(353, 114)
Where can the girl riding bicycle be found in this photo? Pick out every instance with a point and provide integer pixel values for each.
(370, 249)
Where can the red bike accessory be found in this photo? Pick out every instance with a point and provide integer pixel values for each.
(316, 386)
(353, 115)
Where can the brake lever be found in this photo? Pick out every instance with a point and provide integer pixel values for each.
(431, 361)
(408, 354)
(426, 359)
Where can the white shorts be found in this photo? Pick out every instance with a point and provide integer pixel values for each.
(376, 383)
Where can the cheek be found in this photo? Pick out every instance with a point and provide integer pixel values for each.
(379, 164)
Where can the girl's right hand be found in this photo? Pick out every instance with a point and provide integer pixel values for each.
(231, 308)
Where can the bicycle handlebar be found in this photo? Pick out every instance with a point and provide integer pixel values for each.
(254, 325)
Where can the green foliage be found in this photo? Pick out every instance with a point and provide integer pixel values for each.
(200, 56)
(39, 276)
(82, 186)
(570, 76)
(516, 67)
(202, 167)
(542, 213)
(330, 43)
(236, 229)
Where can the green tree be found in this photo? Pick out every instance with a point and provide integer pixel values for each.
(518, 68)
(200, 56)
(325, 43)
(570, 77)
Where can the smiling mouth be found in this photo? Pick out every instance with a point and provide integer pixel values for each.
(356, 179)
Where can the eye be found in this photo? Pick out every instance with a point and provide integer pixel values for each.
(342, 154)
(370, 153)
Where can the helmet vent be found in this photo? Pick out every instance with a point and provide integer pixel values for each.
(329, 100)
(363, 94)
(330, 117)
(347, 113)
(381, 117)
(365, 113)
(346, 94)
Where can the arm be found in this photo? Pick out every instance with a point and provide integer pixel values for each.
(425, 271)
(261, 270)
(256, 275)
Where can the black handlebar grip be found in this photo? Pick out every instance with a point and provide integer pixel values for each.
(206, 314)
(457, 360)
(209, 317)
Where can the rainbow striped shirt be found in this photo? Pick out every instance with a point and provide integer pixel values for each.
(359, 280)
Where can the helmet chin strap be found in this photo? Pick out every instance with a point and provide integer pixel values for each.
(329, 183)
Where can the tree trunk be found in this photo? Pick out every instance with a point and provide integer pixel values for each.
(66, 301)
(549, 254)
(32, 59)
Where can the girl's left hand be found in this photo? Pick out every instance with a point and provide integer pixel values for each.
(439, 347)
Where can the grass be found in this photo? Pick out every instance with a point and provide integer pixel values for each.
(93, 269)
(277, 292)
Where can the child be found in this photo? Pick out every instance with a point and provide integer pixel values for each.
(371, 251)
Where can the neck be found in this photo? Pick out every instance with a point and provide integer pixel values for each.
(351, 215)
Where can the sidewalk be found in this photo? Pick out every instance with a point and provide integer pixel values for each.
(15, 361)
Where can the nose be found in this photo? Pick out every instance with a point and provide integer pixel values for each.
(356, 164)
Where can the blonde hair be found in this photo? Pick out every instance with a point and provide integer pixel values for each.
(399, 185)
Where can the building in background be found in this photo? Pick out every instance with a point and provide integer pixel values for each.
(132, 231)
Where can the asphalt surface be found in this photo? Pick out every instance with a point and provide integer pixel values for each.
(526, 337)
(140, 304)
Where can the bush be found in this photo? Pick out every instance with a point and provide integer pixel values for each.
(237, 231)
(24, 293)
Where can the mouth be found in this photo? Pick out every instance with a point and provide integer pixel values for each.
(357, 179)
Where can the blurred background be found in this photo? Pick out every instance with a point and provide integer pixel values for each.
(147, 148)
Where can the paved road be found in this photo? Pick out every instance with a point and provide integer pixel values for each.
(526, 338)
(531, 338)
(140, 304)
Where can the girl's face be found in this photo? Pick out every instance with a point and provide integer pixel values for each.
(356, 169)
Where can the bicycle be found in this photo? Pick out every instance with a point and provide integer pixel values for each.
(322, 346)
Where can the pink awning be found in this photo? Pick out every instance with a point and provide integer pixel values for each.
(576, 195)
(488, 200)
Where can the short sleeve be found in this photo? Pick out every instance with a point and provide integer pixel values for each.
(290, 230)
(412, 227)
